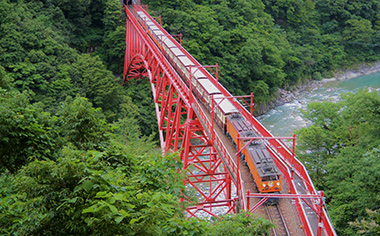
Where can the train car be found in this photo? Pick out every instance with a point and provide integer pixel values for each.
(226, 109)
(258, 159)
(203, 87)
(204, 90)
(181, 63)
(154, 32)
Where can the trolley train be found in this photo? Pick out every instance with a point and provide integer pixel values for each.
(259, 161)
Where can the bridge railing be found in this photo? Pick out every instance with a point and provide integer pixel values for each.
(284, 155)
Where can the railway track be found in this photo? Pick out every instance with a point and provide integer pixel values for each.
(276, 217)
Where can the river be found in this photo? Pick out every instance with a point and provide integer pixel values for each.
(283, 120)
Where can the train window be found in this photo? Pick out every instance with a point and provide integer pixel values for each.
(270, 178)
(265, 178)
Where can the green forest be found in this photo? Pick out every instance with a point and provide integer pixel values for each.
(341, 151)
(79, 152)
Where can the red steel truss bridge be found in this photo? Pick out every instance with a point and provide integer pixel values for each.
(214, 170)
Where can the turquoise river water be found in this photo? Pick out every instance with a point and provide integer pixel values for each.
(283, 120)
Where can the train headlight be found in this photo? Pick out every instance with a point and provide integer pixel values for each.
(264, 185)
(278, 183)
(271, 184)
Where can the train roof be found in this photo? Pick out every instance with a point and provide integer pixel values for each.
(177, 52)
(150, 23)
(140, 13)
(262, 160)
(198, 74)
(240, 124)
(186, 62)
(256, 149)
(158, 33)
(209, 87)
(153, 27)
(225, 105)
(170, 44)
(143, 16)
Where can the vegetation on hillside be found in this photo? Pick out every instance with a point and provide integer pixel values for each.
(77, 149)
(44, 49)
(341, 150)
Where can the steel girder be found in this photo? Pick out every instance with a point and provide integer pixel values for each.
(179, 126)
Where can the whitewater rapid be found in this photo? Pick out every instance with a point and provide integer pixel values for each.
(284, 120)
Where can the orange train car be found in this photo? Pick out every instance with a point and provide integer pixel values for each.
(256, 156)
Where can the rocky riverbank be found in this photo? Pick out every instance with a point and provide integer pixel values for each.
(286, 96)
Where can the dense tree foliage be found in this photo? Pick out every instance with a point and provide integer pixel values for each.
(265, 44)
(41, 44)
(341, 151)
(26, 131)
(75, 174)
(77, 150)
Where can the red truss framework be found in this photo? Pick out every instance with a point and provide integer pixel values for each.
(180, 128)
(184, 126)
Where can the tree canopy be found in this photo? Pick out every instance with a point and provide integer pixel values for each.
(77, 149)
(341, 150)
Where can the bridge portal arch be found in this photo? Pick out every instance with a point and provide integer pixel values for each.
(137, 68)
